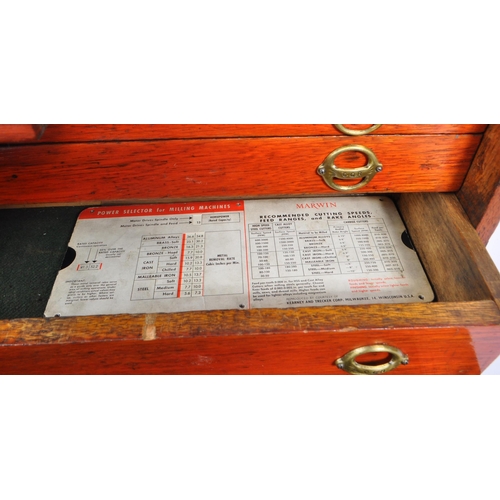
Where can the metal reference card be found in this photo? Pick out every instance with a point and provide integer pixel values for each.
(238, 254)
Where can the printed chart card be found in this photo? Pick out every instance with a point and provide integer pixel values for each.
(238, 255)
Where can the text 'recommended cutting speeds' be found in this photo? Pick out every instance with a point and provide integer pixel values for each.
(238, 255)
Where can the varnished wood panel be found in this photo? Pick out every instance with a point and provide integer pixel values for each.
(486, 343)
(224, 168)
(20, 133)
(444, 351)
(340, 319)
(85, 133)
(458, 265)
(303, 340)
(480, 193)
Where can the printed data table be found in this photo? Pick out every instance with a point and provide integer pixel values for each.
(238, 254)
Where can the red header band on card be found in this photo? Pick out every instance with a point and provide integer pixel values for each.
(161, 209)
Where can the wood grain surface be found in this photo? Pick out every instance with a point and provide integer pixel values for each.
(222, 168)
(480, 193)
(436, 336)
(460, 333)
(442, 351)
(457, 334)
(455, 259)
(20, 133)
(85, 133)
(339, 319)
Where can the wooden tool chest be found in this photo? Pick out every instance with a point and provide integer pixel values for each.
(443, 179)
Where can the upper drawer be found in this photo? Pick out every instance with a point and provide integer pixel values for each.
(88, 133)
(224, 168)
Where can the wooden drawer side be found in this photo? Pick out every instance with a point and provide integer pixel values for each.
(455, 259)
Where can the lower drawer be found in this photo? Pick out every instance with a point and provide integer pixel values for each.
(458, 333)
(100, 348)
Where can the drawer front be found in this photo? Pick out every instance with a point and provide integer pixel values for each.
(442, 352)
(86, 133)
(224, 168)
(295, 341)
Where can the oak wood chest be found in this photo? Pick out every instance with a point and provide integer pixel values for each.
(443, 179)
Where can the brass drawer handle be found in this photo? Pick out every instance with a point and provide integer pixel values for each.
(350, 131)
(348, 361)
(329, 171)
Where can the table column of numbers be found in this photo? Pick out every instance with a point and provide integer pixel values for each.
(366, 249)
(191, 282)
(287, 249)
(385, 247)
(263, 251)
(345, 249)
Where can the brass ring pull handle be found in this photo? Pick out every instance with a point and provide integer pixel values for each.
(350, 131)
(348, 361)
(329, 171)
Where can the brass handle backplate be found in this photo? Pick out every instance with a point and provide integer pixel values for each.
(350, 131)
(329, 171)
(348, 361)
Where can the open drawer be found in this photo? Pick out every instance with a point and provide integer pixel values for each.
(458, 333)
